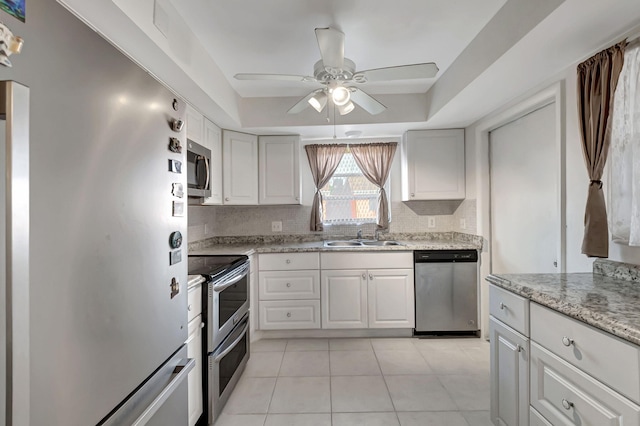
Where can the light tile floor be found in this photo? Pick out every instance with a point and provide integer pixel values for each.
(367, 382)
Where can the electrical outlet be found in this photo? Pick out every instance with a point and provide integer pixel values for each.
(431, 222)
(463, 224)
(276, 226)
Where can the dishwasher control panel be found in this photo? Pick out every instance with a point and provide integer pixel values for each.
(428, 256)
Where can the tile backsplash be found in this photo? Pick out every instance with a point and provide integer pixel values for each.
(411, 217)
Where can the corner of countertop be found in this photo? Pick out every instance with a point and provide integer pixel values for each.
(619, 270)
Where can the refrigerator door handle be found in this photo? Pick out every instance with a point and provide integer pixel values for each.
(180, 373)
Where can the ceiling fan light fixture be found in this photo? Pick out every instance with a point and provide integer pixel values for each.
(318, 101)
(346, 109)
(340, 95)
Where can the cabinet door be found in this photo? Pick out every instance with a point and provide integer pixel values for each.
(195, 125)
(239, 168)
(509, 376)
(391, 298)
(213, 141)
(433, 165)
(279, 170)
(194, 350)
(343, 296)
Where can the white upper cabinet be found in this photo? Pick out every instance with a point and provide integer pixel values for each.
(239, 168)
(195, 125)
(433, 165)
(213, 141)
(279, 169)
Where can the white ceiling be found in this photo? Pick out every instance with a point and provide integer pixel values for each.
(488, 51)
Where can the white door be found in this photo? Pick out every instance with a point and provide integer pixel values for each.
(343, 296)
(509, 376)
(240, 168)
(525, 222)
(390, 298)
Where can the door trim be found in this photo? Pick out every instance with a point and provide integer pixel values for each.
(552, 94)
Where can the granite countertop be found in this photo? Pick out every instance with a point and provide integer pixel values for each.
(243, 246)
(606, 299)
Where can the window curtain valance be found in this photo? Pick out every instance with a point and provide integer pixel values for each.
(597, 80)
(323, 160)
(374, 160)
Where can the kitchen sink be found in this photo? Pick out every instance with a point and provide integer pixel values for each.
(356, 243)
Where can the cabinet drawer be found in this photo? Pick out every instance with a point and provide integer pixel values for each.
(536, 419)
(194, 302)
(605, 357)
(509, 308)
(566, 396)
(284, 315)
(288, 261)
(280, 285)
(359, 260)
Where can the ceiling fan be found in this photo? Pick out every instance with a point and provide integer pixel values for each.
(338, 74)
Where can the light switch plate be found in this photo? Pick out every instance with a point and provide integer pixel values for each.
(276, 226)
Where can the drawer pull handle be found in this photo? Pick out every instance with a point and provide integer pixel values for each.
(567, 404)
(503, 306)
(288, 314)
(566, 341)
(288, 261)
(288, 284)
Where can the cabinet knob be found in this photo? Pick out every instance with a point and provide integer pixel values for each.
(288, 314)
(297, 198)
(370, 276)
(519, 348)
(226, 198)
(413, 195)
(288, 284)
(189, 308)
(503, 306)
(288, 261)
(364, 276)
(567, 341)
(567, 404)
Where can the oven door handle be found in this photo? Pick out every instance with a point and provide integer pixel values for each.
(222, 286)
(222, 354)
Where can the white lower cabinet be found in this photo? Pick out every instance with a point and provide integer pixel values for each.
(375, 298)
(344, 298)
(509, 375)
(536, 419)
(565, 395)
(289, 314)
(194, 350)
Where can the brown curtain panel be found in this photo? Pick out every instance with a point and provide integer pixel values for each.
(597, 81)
(374, 159)
(323, 160)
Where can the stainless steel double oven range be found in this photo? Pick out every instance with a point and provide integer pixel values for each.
(226, 345)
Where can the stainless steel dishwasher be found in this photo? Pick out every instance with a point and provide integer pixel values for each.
(446, 291)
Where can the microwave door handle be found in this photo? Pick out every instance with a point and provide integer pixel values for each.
(180, 373)
(220, 287)
(206, 164)
(222, 354)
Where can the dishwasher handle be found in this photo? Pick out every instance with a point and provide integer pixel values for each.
(445, 256)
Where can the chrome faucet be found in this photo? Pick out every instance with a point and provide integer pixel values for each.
(359, 236)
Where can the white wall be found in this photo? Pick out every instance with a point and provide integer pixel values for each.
(576, 178)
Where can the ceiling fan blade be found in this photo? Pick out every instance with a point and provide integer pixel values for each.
(402, 72)
(302, 104)
(281, 77)
(331, 44)
(367, 102)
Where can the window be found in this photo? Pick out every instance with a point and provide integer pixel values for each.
(349, 197)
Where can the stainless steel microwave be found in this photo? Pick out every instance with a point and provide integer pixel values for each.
(198, 170)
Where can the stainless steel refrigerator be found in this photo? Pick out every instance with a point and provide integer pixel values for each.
(101, 332)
